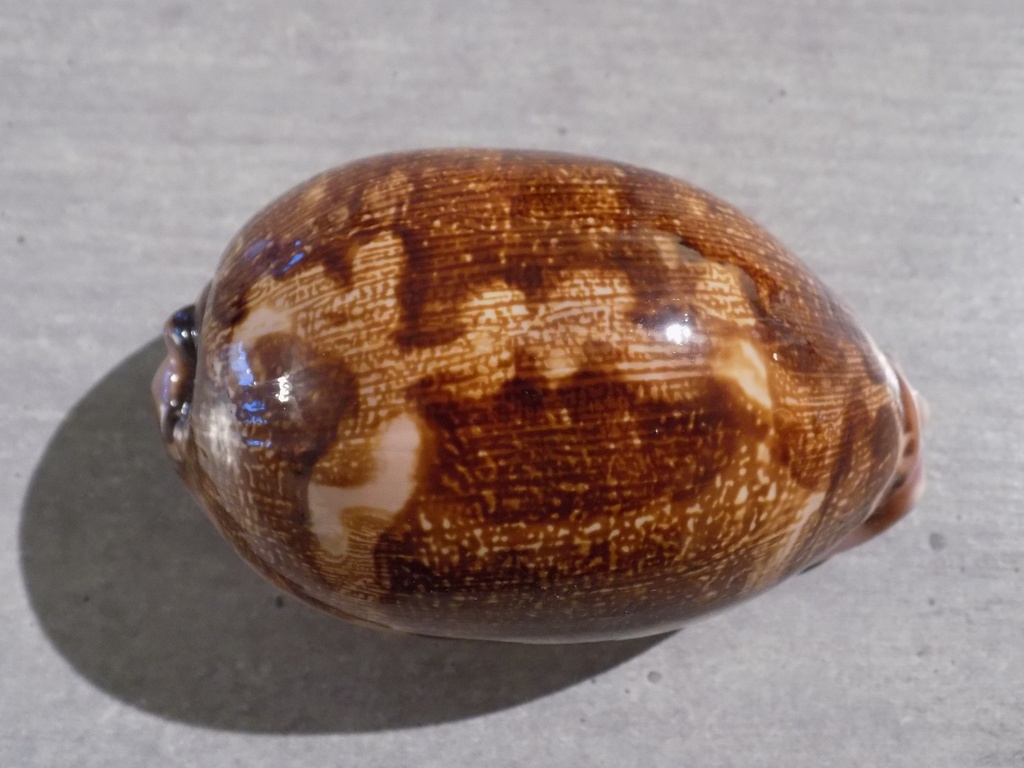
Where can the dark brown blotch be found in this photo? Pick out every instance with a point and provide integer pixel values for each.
(885, 434)
(584, 451)
(286, 431)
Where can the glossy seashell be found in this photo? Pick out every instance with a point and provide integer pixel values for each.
(530, 397)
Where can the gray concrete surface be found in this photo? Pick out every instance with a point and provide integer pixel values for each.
(883, 141)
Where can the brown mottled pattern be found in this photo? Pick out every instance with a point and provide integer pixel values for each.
(529, 396)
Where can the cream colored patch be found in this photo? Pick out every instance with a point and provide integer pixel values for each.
(783, 550)
(316, 191)
(561, 362)
(325, 510)
(483, 359)
(805, 513)
(388, 195)
(497, 305)
(673, 252)
(395, 459)
(262, 320)
(376, 269)
(744, 365)
(590, 305)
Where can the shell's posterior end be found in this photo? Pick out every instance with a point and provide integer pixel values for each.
(174, 380)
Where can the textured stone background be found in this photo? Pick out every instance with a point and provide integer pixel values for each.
(883, 141)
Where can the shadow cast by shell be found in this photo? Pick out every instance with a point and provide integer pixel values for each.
(138, 592)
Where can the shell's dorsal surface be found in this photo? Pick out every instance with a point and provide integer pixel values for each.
(528, 396)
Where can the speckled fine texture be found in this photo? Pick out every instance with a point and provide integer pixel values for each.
(524, 396)
(880, 141)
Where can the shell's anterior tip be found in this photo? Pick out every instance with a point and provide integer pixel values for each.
(174, 380)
